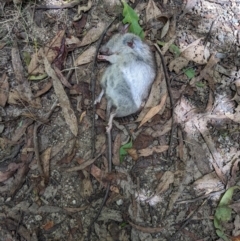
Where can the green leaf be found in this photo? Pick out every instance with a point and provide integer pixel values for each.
(37, 77)
(223, 213)
(200, 84)
(132, 18)
(172, 48)
(160, 43)
(222, 235)
(26, 58)
(175, 50)
(190, 73)
(227, 197)
(123, 150)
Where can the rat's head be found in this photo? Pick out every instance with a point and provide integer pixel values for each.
(135, 44)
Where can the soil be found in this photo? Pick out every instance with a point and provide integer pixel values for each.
(175, 167)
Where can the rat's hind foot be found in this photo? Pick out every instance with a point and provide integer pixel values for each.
(98, 99)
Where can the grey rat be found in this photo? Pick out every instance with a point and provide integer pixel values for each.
(127, 81)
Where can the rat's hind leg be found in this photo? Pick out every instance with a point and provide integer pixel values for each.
(98, 99)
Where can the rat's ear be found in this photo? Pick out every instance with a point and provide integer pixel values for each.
(123, 28)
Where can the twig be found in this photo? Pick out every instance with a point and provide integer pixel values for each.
(169, 93)
(93, 84)
(209, 33)
(201, 197)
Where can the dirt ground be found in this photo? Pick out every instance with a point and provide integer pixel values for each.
(175, 164)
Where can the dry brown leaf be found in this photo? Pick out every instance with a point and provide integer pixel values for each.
(154, 110)
(86, 57)
(165, 181)
(86, 188)
(149, 151)
(133, 153)
(4, 90)
(92, 35)
(165, 29)
(48, 225)
(178, 64)
(207, 73)
(82, 116)
(23, 86)
(61, 77)
(196, 52)
(116, 147)
(189, 5)
(152, 11)
(45, 158)
(11, 169)
(46, 87)
(99, 175)
(2, 45)
(208, 183)
(157, 91)
(236, 238)
(36, 66)
(21, 130)
(72, 40)
(64, 102)
(101, 113)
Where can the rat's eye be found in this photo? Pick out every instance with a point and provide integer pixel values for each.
(130, 44)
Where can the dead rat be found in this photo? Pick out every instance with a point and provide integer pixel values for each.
(127, 81)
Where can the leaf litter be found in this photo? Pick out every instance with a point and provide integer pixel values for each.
(205, 148)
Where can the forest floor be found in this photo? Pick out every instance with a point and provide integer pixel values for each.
(175, 164)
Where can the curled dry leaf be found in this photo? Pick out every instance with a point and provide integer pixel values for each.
(82, 116)
(133, 153)
(4, 90)
(178, 64)
(36, 67)
(68, 112)
(165, 29)
(92, 35)
(86, 57)
(149, 151)
(154, 110)
(196, 52)
(165, 181)
(152, 11)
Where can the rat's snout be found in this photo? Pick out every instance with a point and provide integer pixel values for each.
(105, 50)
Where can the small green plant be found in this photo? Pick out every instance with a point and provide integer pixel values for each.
(172, 48)
(223, 213)
(190, 73)
(132, 18)
(124, 148)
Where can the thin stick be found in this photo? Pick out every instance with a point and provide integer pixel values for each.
(93, 84)
(169, 93)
